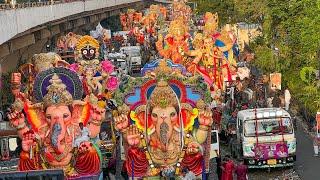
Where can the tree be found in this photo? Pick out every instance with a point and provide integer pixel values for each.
(290, 25)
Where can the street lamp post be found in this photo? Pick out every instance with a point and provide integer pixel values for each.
(276, 53)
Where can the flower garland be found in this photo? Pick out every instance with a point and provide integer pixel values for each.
(155, 170)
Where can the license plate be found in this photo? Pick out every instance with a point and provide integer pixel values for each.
(272, 161)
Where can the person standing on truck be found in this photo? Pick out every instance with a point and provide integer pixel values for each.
(316, 141)
(287, 98)
(242, 171)
(276, 101)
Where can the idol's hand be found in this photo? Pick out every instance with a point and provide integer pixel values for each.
(133, 135)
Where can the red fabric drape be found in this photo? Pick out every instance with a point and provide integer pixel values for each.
(25, 163)
(140, 162)
(193, 162)
(88, 163)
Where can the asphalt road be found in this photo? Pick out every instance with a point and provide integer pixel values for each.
(307, 166)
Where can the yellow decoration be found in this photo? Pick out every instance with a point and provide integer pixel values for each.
(57, 93)
(87, 41)
(178, 28)
(193, 116)
(102, 104)
(177, 171)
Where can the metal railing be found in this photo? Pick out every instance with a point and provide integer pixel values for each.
(19, 5)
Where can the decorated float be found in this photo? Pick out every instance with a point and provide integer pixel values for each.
(165, 122)
(209, 53)
(52, 129)
(58, 112)
(164, 116)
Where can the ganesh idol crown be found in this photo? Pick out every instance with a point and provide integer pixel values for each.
(164, 120)
(58, 123)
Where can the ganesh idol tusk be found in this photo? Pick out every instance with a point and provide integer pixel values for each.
(47, 134)
(68, 131)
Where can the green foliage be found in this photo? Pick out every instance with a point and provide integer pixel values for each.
(307, 74)
(290, 25)
(225, 9)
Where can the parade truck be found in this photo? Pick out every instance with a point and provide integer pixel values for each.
(9, 147)
(121, 63)
(134, 57)
(264, 138)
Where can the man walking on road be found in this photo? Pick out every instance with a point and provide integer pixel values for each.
(242, 171)
(316, 141)
(227, 169)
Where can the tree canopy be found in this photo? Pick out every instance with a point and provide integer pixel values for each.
(292, 26)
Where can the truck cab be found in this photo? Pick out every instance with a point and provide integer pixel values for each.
(134, 57)
(265, 138)
(119, 60)
(10, 147)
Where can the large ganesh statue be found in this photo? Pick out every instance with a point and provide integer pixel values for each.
(225, 40)
(57, 128)
(181, 9)
(209, 61)
(175, 42)
(130, 19)
(164, 121)
(96, 78)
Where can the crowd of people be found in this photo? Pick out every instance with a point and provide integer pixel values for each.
(227, 169)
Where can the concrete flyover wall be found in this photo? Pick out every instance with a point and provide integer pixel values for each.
(15, 21)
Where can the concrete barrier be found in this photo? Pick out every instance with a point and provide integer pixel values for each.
(41, 174)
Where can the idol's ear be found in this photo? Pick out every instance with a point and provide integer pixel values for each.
(35, 115)
(188, 116)
(141, 118)
(80, 111)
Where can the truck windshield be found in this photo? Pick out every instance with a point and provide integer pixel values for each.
(272, 126)
(134, 53)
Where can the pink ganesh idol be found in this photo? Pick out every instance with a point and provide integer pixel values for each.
(165, 124)
(57, 127)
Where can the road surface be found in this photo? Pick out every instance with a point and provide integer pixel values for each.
(307, 166)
